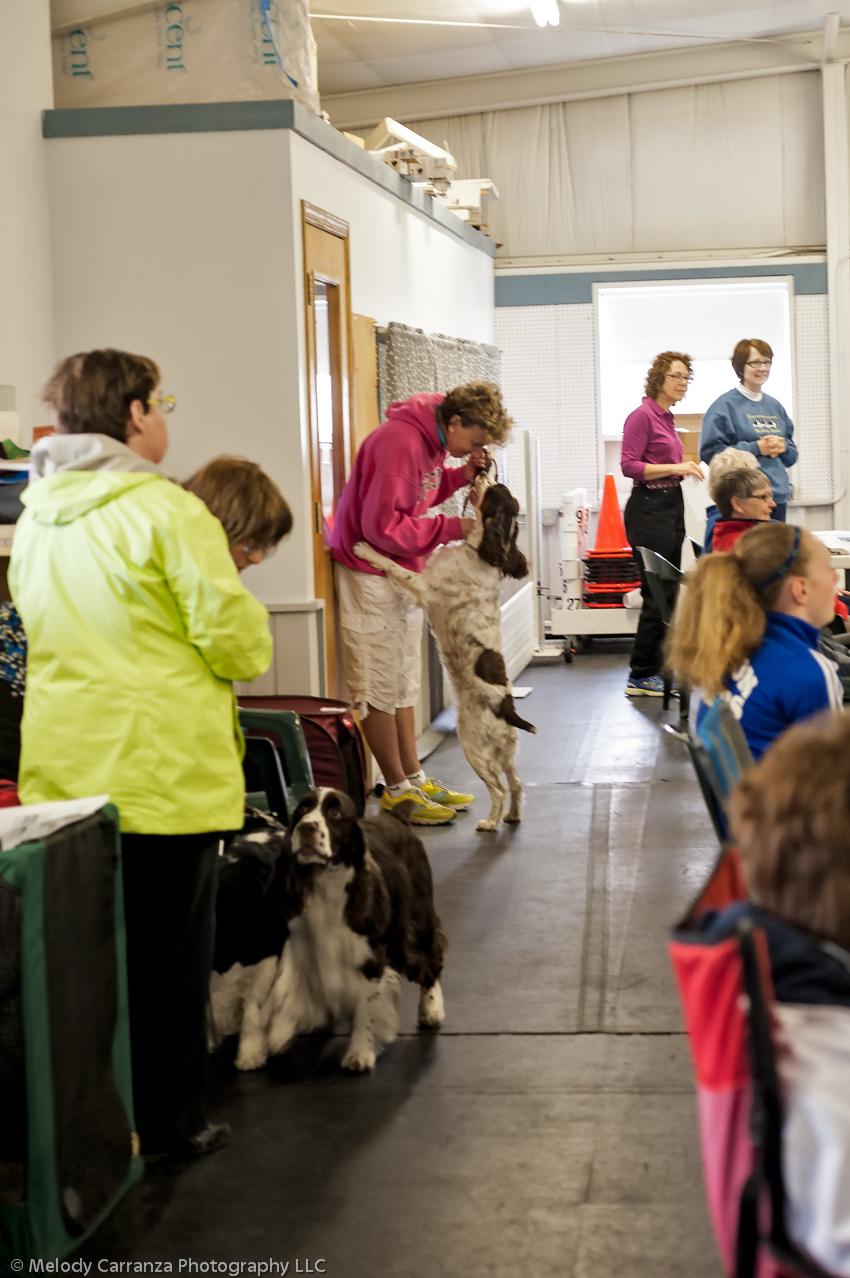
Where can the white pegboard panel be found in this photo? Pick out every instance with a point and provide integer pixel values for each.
(549, 385)
(812, 427)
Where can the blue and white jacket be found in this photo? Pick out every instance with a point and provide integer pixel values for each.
(785, 680)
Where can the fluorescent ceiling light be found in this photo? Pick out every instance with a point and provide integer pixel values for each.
(415, 22)
(545, 12)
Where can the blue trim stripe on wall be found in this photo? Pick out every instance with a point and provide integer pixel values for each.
(571, 290)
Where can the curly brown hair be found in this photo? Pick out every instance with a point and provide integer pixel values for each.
(91, 392)
(790, 818)
(478, 404)
(661, 366)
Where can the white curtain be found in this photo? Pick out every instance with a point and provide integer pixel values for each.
(715, 166)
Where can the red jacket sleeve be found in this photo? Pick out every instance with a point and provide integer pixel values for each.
(388, 528)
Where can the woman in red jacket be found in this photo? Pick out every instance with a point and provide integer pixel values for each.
(398, 476)
(744, 498)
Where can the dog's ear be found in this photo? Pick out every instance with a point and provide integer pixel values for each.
(495, 540)
(516, 564)
(498, 544)
(352, 846)
(368, 910)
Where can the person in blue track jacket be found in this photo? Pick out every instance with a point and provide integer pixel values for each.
(747, 630)
(744, 417)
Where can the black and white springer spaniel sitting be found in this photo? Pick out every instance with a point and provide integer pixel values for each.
(459, 589)
(316, 925)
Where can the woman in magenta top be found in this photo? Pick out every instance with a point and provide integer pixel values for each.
(652, 456)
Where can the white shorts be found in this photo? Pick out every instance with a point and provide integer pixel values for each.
(381, 641)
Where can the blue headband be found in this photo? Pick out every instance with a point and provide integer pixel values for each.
(788, 562)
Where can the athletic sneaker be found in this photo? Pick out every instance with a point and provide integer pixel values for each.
(653, 686)
(426, 812)
(439, 793)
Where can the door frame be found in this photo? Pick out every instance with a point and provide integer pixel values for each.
(321, 219)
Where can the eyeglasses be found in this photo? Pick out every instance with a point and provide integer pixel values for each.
(758, 363)
(263, 551)
(166, 403)
(760, 497)
(680, 377)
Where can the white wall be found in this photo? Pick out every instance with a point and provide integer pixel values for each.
(404, 267)
(178, 246)
(187, 247)
(26, 321)
(651, 172)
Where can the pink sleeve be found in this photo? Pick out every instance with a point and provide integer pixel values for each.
(635, 436)
(388, 527)
(452, 479)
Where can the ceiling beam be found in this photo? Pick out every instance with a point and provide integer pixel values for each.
(572, 81)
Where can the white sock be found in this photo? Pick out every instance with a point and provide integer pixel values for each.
(417, 778)
(395, 790)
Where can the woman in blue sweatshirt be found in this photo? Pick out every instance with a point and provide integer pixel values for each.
(747, 630)
(746, 418)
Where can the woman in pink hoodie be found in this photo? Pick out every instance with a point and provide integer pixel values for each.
(398, 475)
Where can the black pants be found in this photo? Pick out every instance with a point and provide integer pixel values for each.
(169, 905)
(11, 711)
(655, 518)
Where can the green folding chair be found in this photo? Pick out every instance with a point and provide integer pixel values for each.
(283, 729)
(265, 784)
(659, 569)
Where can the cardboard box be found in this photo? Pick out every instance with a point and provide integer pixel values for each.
(688, 426)
(188, 51)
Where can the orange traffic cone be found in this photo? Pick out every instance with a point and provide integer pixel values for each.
(611, 531)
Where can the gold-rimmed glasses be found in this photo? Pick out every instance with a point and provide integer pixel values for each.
(165, 403)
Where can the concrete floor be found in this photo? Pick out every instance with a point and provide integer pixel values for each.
(550, 1128)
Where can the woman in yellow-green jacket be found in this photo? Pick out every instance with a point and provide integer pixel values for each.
(137, 624)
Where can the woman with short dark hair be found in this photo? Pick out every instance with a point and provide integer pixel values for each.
(653, 457)
(746, 418)
(137, 624)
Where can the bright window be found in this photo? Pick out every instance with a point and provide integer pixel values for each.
(703, 319)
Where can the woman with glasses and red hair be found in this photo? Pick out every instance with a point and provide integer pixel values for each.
(653, 457)
(746, 418)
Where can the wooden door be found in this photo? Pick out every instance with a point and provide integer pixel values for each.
(364, 379)
(329, 364)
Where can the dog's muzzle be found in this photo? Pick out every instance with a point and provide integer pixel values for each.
(311, 843)
(483, 480)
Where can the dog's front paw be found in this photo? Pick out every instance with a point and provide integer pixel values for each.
(487, 824)
(280, 1036)
(432, 1011)
(358, 1060)
(512, 818)
(252, 1054)
(362, 550)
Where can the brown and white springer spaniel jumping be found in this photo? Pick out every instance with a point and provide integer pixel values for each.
(459, 589)
(324, 936)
